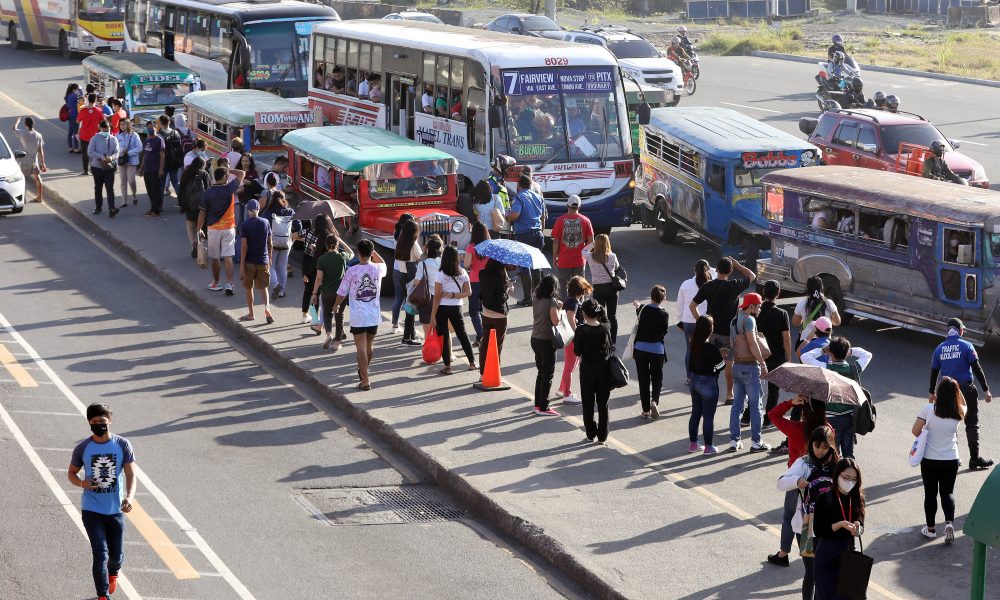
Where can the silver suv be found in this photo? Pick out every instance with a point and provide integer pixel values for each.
(636, 57)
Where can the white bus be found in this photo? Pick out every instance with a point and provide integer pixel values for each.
(259, 44)
(70, 25)
(555, 106)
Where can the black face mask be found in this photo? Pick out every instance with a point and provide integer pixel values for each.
(99, 430)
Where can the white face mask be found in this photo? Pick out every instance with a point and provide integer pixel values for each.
(844, 485)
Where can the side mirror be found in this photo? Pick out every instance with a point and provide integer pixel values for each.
(19, 154)
(869, 148)
(643, 111)
(496, 115)
(516, 30)
(807, 125)
(955, 144)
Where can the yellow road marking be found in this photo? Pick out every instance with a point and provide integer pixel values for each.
(19, 373)
(161, 544)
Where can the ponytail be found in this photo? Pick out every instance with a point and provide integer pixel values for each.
(702, 273)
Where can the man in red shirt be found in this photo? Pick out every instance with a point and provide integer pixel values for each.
(89, 117)
(570, 234)
(117, 114)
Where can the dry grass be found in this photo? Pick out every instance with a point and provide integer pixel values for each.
(728, 43)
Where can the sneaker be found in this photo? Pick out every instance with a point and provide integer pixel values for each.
(112, 212)
(558, 394)
(695, 447)
(735, 446)
(602, 443)
(978, 463)
(306, 319)
(710, 451)
(949, 533)
(761, 447)
(215, 286)
(782, 447)
(546, 413)
(571, 399)
(281, 294)
(112, 584)
(777, 559)
(654, 413)
(926, 532)
(396, 330)
(229, 289)
(410, 343)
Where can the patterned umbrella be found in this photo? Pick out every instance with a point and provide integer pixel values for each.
(334, 209)
(511, 252)
(816, 382)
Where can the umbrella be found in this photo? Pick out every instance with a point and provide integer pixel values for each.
(511, 252)
(334, 209)
(816, 382)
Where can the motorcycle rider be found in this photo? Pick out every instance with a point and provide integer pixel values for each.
(855, 97)
(877, 101)
(677, 54)
(892, 103)
(837, 46)
(936, 168)
(682, 35)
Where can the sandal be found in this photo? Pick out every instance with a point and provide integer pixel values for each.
(269, 319)
(473, 367)
(246, 318)
(364, 387)
(445, 371)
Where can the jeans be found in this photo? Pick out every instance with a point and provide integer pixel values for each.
(843, 425)
(71, 140)
(606, 295)
(570, 362)
(328, 315)
(530, 278)
(107, 542)
(594, 393)
(649, 367)
(747, 390)
(476, 311)
(704, 400)
(154, 189)
(939, 477)
(279, 269)
(399, 282)
(788, 511)
(688, 332)
(451, 314)
(170, 178)
(545, 364)
(491, 324)
(104, 181)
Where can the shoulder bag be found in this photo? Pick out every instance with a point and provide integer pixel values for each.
(619, 279)
(741, 348)
(617, 371)
(627, 354)
(562, 333)
(420, 296)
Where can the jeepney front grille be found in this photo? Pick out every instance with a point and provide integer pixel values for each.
(438, 225)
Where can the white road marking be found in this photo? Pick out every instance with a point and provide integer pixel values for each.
(777, 112)
(169, 572)
(54, 449)
(206, 550)
(143, 543)
(46, 413)
(973, 143)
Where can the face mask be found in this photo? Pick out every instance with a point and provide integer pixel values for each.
(845, 486)
(99, 430)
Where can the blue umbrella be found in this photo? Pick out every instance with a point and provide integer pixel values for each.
(511, 252)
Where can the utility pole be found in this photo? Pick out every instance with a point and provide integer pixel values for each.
(550, 9)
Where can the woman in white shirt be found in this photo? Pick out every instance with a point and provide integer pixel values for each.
(939, 467)
(602, 263)
(685, 294)
(451, 286)
(427, 270)
(812, 307)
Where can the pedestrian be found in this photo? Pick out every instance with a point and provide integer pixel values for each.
(808, 478)
(707, 361)
(217, 213)
(314, 246)
(813, 306)
(108, 483)
(270, 183)
(939, 467)
(957, 358)
(748, 368)
(494, 290)
(103, 151)
(474, 263)
(284, 226)
(71, 99)
(89, 117)
(450, 286)
(773, 323)
(850, 362)
(593, 344)
(102, 103)
(255, 260)
(362, 285)
(251, 188)
(153, 167)
(489, 208)
(527, 213)
(118, 114)
(722, 296)
(822, 331)
(173, 155)
(407, 254)
(602, 263)
(577, 291)
(839, 518)
(427, 271)
(813, 416)
(130, 147)
(703, 273)
(649, 352)
(399, 292)
(33, 162)
(194, 181)
(330, 270)
(200, 150)
(570, 234)
(235, 150)
(545, 315)
(280, 168)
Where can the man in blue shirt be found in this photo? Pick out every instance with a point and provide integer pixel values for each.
(957, 358)
(104, 457)
(256, 251)
(527, 213)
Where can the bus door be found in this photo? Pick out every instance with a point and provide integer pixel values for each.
(169, 36)
(959, 260)
(402, 98)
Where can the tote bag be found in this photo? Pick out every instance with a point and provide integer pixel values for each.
(918, 448)
(628, 353)
(562, 333)
(855, 572)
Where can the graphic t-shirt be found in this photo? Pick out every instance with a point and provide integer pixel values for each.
(362, 285)
(103, 465)
(572, 233)
(218, 201)
(153, 148)
(256, 231)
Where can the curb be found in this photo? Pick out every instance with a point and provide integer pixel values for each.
(881, 69)
(532, 536)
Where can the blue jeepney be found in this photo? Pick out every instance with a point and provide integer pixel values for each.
(700, 170)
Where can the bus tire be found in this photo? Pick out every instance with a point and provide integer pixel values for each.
(832, 290)
(64, 50)
(666, 230)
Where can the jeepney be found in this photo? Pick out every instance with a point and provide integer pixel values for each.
(903, 250)
(261, 119)
(380, 175)
(145, 83)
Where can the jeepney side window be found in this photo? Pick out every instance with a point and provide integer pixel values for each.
(220, 48)
(774, 204)
(881, 227)
(822, 215)
(671, 154)
(220, 132)
(154, 24)
(205, 125)
(198, 34)
(717, 177)
(690, 162)
(959, 247)
(654, 144)
(307, 170)
(271, 137)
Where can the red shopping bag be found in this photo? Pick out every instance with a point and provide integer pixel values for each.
(433, 347)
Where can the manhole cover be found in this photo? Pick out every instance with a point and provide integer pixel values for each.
(378, 505)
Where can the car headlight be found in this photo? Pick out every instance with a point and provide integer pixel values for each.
(978, 173)
(13, 178)
(457, 226)
(633, 73)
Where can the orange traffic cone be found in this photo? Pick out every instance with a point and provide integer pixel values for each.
(492, 382)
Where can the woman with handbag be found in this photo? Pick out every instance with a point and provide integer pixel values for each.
(408, 253)
(839, 518)
(604, 265)
(592, 343)
(494, 289)
(129, 147)
(939, 466)
(649, 350)
(577, 291)
(750, 353)
(194, 181)
(424, 279)
(545, 312)
(474, 264)
(810, 476)
(450, 287)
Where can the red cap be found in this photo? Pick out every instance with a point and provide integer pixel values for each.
(749, 300)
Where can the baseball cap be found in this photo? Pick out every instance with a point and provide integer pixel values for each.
(956, 323)
(750, 300)
(253, 206)
(823, 324)
(573, 201)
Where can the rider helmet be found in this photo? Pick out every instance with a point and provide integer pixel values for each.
(838, 58)
(938, 147)
(501, 163)
(892, 102)
(675, 42)
(879, 99)
(837, 39)
(857, 85)
(682, 30)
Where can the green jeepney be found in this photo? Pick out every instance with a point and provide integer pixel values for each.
(146, 83)
(635, 95)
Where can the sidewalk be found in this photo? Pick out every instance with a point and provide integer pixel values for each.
(621, 529)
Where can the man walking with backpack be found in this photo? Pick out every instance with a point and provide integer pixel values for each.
(174, 155)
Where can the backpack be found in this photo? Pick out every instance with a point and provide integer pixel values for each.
(64, 113)
(187, 143)
(865, 416)
(174, 149)
(281, 231)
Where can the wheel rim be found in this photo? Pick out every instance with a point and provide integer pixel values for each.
(690, 86)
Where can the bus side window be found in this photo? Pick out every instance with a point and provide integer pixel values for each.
(717, 178)
(219, 48)
(154, 26)
(198, 34)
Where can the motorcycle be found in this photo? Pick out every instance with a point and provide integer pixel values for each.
(690, 78)
(835, 86)
(695, 70)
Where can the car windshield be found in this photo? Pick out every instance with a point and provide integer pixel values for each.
(151, 94)
(540, 24)
(632, 49)
(279, 54)
(424, 18)
(4, 148)
(920, 134)
(101, 10)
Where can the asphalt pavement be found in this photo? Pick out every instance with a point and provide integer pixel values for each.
(642, 515)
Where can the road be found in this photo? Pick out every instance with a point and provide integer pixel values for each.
(110, 335)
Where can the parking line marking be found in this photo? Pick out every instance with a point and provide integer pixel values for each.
(46, 413)
(18, 372)
(161, 544)
(973, 143)
(777, 112)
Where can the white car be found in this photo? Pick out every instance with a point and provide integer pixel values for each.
(413, 15)
(637, 58)
(11, 179)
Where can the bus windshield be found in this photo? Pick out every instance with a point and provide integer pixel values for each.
(101, 10)
(279, 54)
